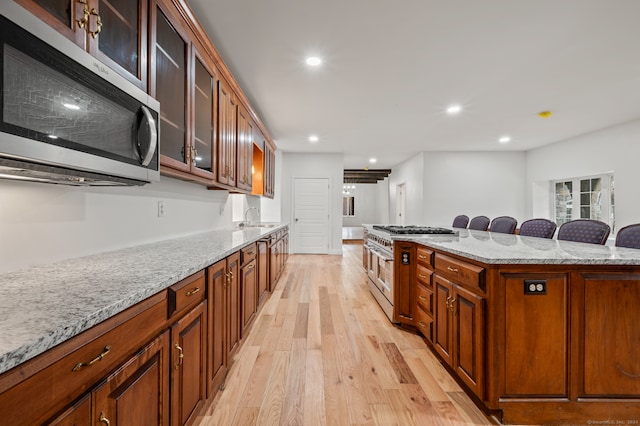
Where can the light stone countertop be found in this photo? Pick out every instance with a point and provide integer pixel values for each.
(495, 248)
(43, 306)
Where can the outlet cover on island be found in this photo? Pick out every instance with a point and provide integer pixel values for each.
(160, 209)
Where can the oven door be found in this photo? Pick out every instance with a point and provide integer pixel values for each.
(384, 276)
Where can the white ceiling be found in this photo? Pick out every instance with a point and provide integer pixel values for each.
(391, 67)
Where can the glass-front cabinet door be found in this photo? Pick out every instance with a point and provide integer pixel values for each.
(171, 49)
(204, 112)
(114, 31)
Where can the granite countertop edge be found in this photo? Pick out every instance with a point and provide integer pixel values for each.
(46, 305)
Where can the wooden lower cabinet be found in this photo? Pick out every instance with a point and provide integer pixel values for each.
(249, 291)
(217, 325)
(233, 305)
(263, 270)
(189, 365)
(137, 393)
(155, 363)
(459, 332)
(77, 415)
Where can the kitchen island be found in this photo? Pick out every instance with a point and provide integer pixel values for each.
(71, 329)
(538, 331)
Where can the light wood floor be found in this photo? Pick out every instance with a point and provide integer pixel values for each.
(322, 352)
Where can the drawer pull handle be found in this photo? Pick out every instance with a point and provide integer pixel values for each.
(104, 420)
(422, 276)
(449, 268)
(422, 324)
(422, 298)
(251, 266)
(105, 351)
(422, 256)
(192, 292)
(180, 356)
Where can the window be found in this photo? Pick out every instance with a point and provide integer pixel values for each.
(592, 197)
(348, 204)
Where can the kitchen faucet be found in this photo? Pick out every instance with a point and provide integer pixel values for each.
(246, 212)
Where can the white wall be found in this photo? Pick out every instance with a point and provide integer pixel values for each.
(330, 166)
(615, 149)
(411, 172)
(366, 201)
(382, 201)
(41, 223)
(473, 183)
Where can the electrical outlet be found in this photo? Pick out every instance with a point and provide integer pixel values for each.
(221, 209)
(535, 287)
(160, 208)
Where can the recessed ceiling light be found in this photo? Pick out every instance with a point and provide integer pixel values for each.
(313, 61)
(453, 109)
(372, 160)
(313, 139)
(504, 139)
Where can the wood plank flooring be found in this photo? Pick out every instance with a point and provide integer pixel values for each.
(322, 352)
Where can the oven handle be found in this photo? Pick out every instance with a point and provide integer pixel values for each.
(380, 254)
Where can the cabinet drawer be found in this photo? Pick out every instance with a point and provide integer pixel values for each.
(423, 275)
(186, 293)
(425, 256)
(247, 254)
(460, 272)
(424, 323)
(424, 297)
(63, 373)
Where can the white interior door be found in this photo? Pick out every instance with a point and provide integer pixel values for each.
(311, 216)
(401, 203)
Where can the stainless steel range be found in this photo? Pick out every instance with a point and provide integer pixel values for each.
(380, 260)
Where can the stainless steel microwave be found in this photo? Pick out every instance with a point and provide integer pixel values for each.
(67, 118)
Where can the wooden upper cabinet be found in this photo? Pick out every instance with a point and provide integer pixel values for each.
(114, 31)
(170, 54)
(227, 134)
(245, 149)
(204, 95)
(269, 170)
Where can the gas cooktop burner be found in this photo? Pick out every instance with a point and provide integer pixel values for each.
(412, 229)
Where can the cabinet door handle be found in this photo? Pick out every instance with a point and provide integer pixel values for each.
(79, 365)
(85, 14)
(192, 292)
(104, 419)
(180, 356)
(95, 33)
(422, 298)
(449, 268)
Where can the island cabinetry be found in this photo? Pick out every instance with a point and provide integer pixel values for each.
(459, 320)
(115, 32)
(248, 286)
(424, 292)
(403, 281)
(58, 380)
